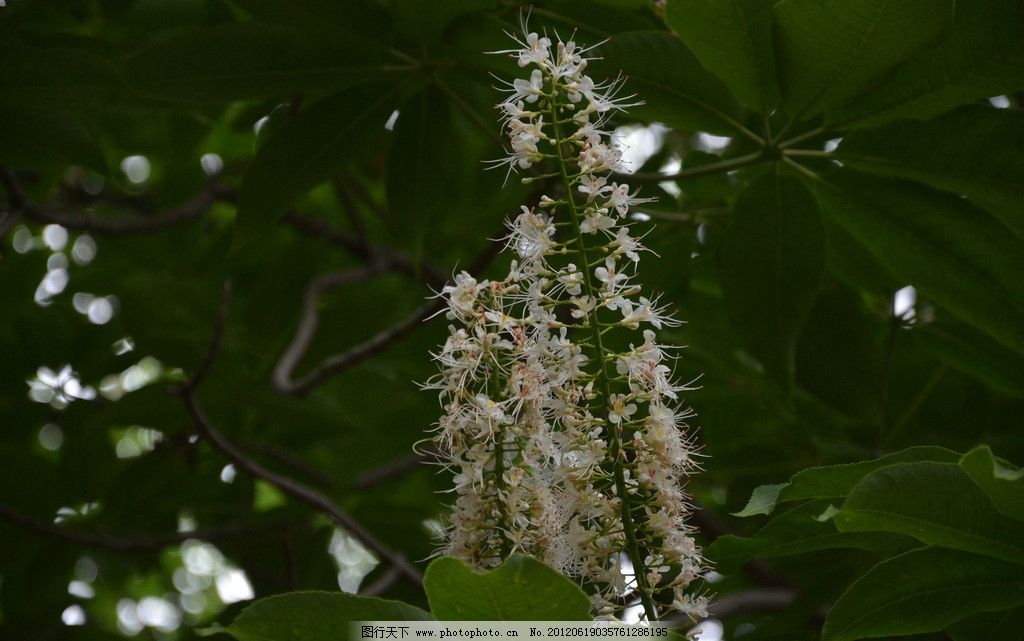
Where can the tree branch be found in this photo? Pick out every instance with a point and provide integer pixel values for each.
(124, 542)
(392, 259)
(337, 363)
(288, 486)
(187, 212)
(386, 472)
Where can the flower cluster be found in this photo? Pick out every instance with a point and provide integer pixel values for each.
(562, 420)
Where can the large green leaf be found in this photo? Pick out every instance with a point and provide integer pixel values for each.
(1003, 625)
(974, 353)
(955, 253)
(830, 51)
(673, 86)
(426, 21)
(311, 147)
(803, 529)
(836, 481)
(981, 55)
(923, 590)
(977, 151)
(251, 60)
(936, 503)
(315, 616)
(733, 40)
(420, 182)
(772, 262)
(1003, 484)
(520, 589)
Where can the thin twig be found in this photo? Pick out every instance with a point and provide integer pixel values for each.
(309, 319)
(213, 347)
(285, 484)
(187, 212)
(393, 259)
(125, 542)
(384, 582)
(337, 363)
(388, 471)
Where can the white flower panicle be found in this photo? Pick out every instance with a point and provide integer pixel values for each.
(562, 420)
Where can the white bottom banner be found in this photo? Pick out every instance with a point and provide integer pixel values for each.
(519, 630)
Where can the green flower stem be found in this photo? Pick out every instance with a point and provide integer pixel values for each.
(499, 468)
(614, 436)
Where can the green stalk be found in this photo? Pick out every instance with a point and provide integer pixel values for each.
(499, 470)
(614, 437)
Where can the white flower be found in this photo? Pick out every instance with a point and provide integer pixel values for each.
(609, 274)
(463, 295)
(530, 235)
(571, 280)
(593, 186)
(522, 385)
(536, 51)
(626, 244)
(595, 221)
(620, 409)
(529, 90)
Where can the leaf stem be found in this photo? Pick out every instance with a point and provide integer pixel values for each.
(704, 170)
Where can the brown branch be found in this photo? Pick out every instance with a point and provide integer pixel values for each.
(124, 542)
(392, 259)
(337, 363)
(187, 212)
(308, 321)
(380, 585)
(387, 471)
(288, 486)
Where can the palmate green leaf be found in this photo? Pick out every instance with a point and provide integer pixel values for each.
(830, 51)
(924, 590)
(39, 138)
(805, 528)
(520, 589)
(977, 151)
(315, 616)
(1003, 625)
(954, 253)
(251, 60)
(836, 481)
(674, 87)
(311, 147)
(734, 41)
(1003, 484)
(772, 263)
(936, 503)
(981, 55)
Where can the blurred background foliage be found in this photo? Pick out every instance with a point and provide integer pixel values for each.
(840, 221)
